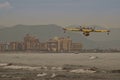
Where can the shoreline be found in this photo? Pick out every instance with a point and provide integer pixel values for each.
(88, 66)
(107, 60)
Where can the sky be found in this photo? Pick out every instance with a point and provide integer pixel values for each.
(60, 12)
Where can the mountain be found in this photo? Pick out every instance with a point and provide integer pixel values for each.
(107, 41)
(45, 32)
(1, 26)
(113, 35)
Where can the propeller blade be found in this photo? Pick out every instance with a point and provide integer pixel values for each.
(80, 28)
(64, 30)
(108, 32)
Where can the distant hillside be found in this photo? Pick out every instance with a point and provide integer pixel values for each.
(1, 26)
(107, 41)
(45, 32)
(113, 36)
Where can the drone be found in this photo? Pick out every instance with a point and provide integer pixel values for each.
(86, 30)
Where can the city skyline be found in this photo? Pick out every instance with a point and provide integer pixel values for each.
(31, 43)
(63, 12)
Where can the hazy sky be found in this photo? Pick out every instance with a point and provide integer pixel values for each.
(60, 12)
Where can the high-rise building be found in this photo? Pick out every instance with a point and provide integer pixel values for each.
(31, 43)
(3, 47)
(64, 44)
(43, 47)
(59, 44)
(52, 45)
(16, 46)
(76, 46)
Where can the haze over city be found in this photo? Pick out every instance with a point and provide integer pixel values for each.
(60, 12)
(59, 39)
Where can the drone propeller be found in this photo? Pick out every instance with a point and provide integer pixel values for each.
(108, 32)
(93, 28)
(80, 28)
(64, 30)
